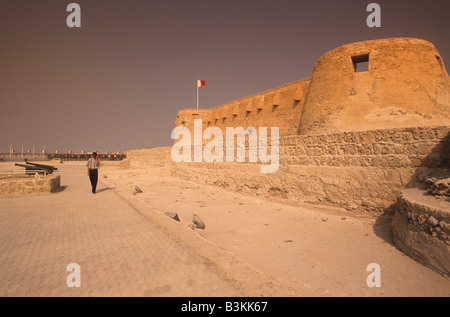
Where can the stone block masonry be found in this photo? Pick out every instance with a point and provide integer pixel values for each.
(421, 228)
(29, 185)
(150, 157)
(278, 107)
(353, 170)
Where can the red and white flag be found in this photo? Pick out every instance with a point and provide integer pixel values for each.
(201, 83)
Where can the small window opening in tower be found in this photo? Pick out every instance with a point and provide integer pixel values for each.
(361, 63)
(439, 59)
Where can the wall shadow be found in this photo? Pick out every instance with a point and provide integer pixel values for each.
(60, 189)
(383, 225)
(436, 164)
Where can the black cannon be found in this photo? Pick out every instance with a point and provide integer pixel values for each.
(33, 168)
(48, 168)
(29, 169)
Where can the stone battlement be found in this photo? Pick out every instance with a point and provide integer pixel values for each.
(405, 85)
(280, 107)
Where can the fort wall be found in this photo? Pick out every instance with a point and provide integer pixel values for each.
(363, 171)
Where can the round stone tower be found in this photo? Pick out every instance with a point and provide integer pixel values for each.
(378, 84)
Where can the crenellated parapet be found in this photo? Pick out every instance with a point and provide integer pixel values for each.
(278, 107)
(377, 84)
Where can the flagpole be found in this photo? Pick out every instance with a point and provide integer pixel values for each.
(197, 94)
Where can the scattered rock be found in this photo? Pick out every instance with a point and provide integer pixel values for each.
(197, 222)
(432, 221)
(438, 187)
(430, 181)
(351, 206)
(137, 190)
(173, 215)
(445, 226)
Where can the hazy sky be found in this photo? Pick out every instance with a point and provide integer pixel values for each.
(118, 82)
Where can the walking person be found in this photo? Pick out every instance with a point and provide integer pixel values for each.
(93, 165)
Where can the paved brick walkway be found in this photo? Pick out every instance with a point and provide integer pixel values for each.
(120, 252)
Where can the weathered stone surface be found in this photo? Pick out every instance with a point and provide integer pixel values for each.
(390, 94)
(29, 185)
(420, 228)
(438, 187)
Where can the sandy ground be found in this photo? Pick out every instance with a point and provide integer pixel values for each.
(271, 248)
(275, 248)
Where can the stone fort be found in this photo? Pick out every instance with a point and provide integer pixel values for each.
(372, 122)
(404, 84)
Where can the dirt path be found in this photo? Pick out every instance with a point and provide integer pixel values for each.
(274, 249)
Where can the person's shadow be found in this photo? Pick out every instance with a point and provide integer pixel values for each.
(103, 189)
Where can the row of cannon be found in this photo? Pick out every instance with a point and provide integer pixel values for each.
(33, 168)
